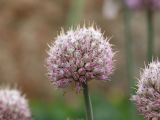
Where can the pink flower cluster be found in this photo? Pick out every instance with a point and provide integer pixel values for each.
(147, 97)
(13, 106)
(78, 56)
(143, 4)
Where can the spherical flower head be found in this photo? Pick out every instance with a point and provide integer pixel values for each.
(134, 4)
(13, 106)
(147, 97)
(143, 4)
(78, 56)
(155, 4)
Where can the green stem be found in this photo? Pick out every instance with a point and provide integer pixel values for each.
(88, 105)
(75, 12)
(129, 59)
(150, 35)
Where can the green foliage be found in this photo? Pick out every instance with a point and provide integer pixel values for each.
(103, 109)
(55, 111)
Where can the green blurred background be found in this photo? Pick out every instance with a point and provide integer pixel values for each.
(27, 26)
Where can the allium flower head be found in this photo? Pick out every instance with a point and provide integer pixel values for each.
(134, 4)
(143, 4)
(13, 106)
(78, 56)
(147, 97)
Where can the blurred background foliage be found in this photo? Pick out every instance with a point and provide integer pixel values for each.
(27, 26)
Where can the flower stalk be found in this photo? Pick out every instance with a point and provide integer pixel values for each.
(88, 104)
(75, 12)
(150, 35)
(129, 57)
